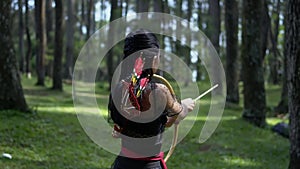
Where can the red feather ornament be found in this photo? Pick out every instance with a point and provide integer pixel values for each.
(138, 66)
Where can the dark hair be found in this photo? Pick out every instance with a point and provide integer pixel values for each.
(139, 40)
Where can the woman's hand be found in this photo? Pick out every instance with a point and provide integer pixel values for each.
(189, 103)
(188, 106)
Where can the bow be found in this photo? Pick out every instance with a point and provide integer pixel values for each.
(175, 134)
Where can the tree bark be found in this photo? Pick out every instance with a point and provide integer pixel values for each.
(268, 37)
(21, 37)
(188, 35)
(276, 12)
(41, 41)
(187, 49)
(158, 7)
(29, 46)
(214, 25)
(82, 21)
(252, 64)
(89, 19)
(199, 22)
(142, 6)
(103, 13)
(264, 28)
(11, 93)
(293, 80)
(231, 25)
(274, 62)
(166, 8)
(214, 29)
(58, 49)
(178, 12)
(49, 19)
(70, 41)
(109, 61)
(127, 6)
(93, 22)
(282, 107)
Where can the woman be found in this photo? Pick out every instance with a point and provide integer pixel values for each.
(140, 107)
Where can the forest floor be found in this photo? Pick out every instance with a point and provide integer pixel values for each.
(52, 137)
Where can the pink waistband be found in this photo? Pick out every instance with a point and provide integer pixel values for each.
(133, 155)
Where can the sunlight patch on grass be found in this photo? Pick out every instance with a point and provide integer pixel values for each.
(103, 112)
(71, 110)
(240, 161)
(90, 94)
(272, 121)
(204, 101)
(203, 118)
(58, 109)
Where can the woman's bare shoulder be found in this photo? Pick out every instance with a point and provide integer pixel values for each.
(162, 88)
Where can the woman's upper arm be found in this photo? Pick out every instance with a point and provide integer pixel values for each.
(173, 107)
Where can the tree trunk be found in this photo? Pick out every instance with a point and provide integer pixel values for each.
(264, 28)
(214, 26)
(49, 35)
(11, 93)
(166, 8)
(187, 49)
(41, 41)
(252, 64)
(127, 6)
(89, 19)
(58, 49)
(188, 35)
(158, 7)
(109, 62)
(214, 29)
(268, 37)
(103, 13)
(276, 12)
(274, 62)
(93, 22)
(282, 107)
(142, 6)
(293, 81)
(70, 41)
(29, 48)
(231, 25)
(82, 21)
(121, 7)
(49, 19)
(199, 22)
(178, 12)
(21, 37)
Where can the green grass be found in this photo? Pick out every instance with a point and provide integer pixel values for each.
(52, 137)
